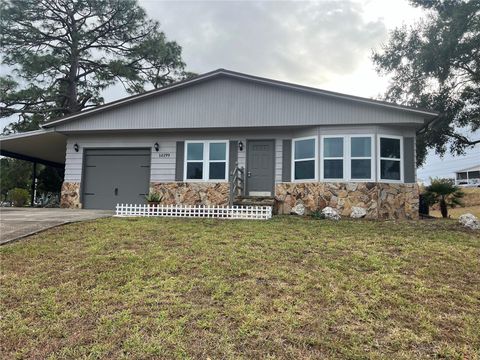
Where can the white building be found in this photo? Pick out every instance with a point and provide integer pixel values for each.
(468, 177)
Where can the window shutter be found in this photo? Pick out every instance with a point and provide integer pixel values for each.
(232, 156)
(179, 160)
(408, 160)
(287, 160)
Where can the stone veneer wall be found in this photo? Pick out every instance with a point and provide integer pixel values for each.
(380, 200)
(185, 193)
(70, 195)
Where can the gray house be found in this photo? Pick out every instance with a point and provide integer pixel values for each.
(224, 136)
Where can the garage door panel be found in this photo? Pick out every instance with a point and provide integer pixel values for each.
(115, 176)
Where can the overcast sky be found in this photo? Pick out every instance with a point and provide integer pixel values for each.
(325, 44)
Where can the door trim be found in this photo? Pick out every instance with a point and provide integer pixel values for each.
(248, 141)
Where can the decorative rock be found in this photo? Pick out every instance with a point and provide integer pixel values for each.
(380, 200)
(330, 213)
(470, 221)
(298, 209)
(176, 193)
(358, 212)
(70, 195)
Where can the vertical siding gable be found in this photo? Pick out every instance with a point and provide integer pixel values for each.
(227, 102)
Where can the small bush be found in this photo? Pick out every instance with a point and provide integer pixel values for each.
(317, 215)
(154, 197)
(19, 197)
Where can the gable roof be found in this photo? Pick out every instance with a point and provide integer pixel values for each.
(428, 114)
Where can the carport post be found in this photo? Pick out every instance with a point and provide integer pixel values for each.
(34, 179)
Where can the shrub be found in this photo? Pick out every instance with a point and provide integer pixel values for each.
(317, 215)
(19, 197)
(443, 192)
(154, 197)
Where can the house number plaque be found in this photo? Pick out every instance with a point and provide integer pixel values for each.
(164, 155)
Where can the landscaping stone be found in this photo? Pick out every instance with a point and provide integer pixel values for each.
(330, 213)
(183, 193)
(470, 221)
(70, 195)
(298, 209)
(358, 212)
(380, 200)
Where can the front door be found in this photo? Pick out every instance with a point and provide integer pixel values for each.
(260, 167)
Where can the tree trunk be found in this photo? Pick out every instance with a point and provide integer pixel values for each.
(443, 208)
(71, 92)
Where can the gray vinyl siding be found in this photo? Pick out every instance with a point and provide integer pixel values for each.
(163, 169)
(409, 159)
(228, 102)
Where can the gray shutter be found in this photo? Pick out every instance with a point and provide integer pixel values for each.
(179, 159)
(409, 159)
(232, 156)
(287, 160)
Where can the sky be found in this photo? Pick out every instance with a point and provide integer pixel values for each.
(324, 44)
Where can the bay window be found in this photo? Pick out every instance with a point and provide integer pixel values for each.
(206, 160)
(333, 157)
(390, 158)
(304, 159)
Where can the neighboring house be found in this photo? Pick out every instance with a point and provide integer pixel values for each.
(296, 143)
(468, 177)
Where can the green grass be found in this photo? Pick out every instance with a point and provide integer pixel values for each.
(286, 288)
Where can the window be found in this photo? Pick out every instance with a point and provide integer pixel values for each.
(333, 154)
(361, 157)
(390, 158)
(206, 160)
(304, 159)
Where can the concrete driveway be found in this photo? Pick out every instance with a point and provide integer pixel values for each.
(16, 223)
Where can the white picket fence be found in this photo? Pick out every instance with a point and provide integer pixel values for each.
(195, 211)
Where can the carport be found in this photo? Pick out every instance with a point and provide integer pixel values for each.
(45, 147)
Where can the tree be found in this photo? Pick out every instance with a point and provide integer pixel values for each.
(436, 64)
(14, 174)
(443, 192)
(63, 53)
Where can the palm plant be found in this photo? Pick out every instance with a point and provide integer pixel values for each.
(445, 193)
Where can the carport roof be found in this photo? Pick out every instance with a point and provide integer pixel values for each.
(43, 146)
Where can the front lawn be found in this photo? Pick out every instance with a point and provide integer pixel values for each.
(286, 288)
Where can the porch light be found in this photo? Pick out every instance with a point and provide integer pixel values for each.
(156, 146)
(76, 147)
(240, 146)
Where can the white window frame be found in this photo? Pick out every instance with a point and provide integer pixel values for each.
(315, 158)
(323, 157)
(206, 160)
(379, 159)
(371, 158)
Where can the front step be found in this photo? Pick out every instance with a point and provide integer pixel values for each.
(254, 201)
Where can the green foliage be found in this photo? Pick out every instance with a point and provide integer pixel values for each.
(63, 54)
(154, 196)
(14, 174)
(19, 197)
(436, 64)
(445, 193)
(50, 179)
(317, 215)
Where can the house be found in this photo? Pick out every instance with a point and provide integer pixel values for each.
(190, 140)
(468, 177)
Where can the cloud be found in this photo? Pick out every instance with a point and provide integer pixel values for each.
(305, 42)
